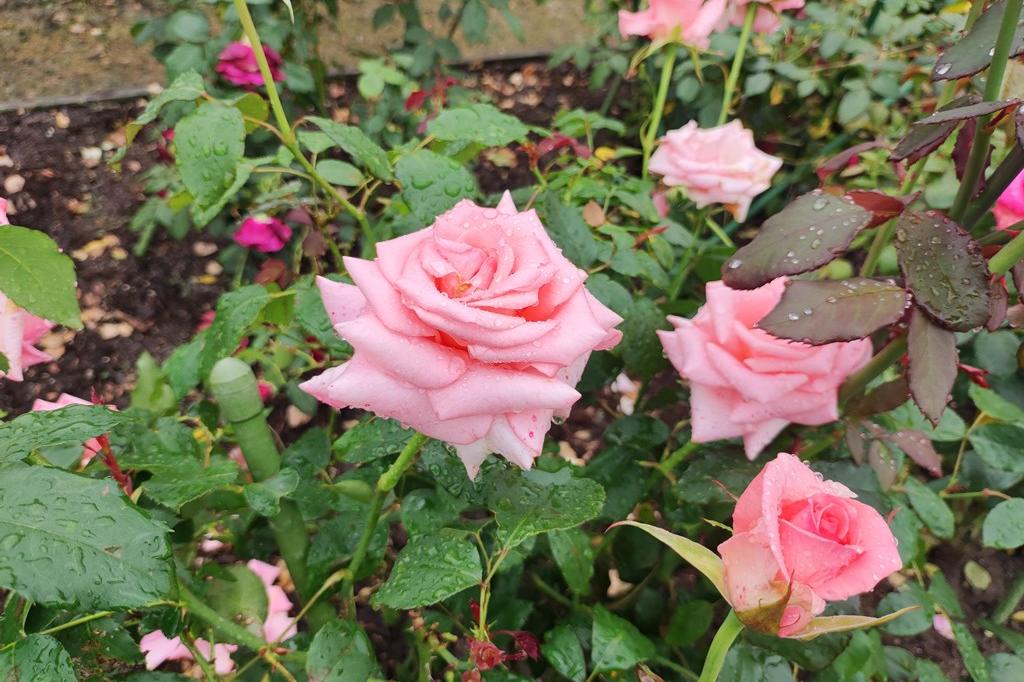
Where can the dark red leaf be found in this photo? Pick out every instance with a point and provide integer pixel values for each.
(933, 361)
(922, 140)
(998, 302)
(843, 158)
(883, 398)
(882, 206)
(968, 111)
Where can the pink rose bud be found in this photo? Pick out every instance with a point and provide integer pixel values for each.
(715, 165)
(800, 541)
(746, 383)
(263, 233)
(237, 64)
(266, 390)
(19, 332)
(766, 20)
(473, 331)
(1009, 208)
(92, 446)
(689, 21)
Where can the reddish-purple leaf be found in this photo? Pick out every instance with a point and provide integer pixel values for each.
(882, 206)
(933, 359)
(808, 233)
(922, 140)
(835, 310)
(883, 398)
(968, 111)
(944, 267)
(998, 302)
(842, 159)
(973, 52)
(919, 448)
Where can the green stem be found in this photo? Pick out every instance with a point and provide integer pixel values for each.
(882, 237)
(651, 134)
(287, 133)
(720, 645)
(234, 386)
(1009, 603)
(385, 484)
(993, 85)
(737, 61)
(227, 629)
(859, 380)
(1000, 179)
(1008, 256)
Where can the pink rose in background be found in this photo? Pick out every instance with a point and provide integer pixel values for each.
(92, 446)
(1009, 208)
(278, 625)
(691, 21)
(263, 233)
(766, 20)
(3, 212)
(158, 648)
(746, 382)
(19, 332)
(237, 63)
(715, 165)
(473, 331)
(793, 528)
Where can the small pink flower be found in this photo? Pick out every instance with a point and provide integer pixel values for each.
(237, 64)
(20, 330)
(794, 530)
(266, 390)
(158, 649)
(943, 626)
(746, 382)
(278, 625)
(715, 165)
(766, 20)
(689, 21)
(92, 446)
(263, 233)
(1009, 208)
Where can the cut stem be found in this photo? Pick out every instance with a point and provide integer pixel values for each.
(737, 61)
(651, 134)
(720, 645)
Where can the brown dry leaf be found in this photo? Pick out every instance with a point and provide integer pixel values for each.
(593, 214)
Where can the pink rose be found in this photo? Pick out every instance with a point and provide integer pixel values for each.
(237, 63)
(92, 446)
(263, 233)
(690, 21)
(715, 165)
(792, 528)
(20, 330)
(278, 625)
(473, 331)
(767, 18)
(1009, 208)
(3, 212)
(746, 382)
(158, 648)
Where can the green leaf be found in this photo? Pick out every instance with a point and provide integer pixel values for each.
(640, 347)
(531, 502)
(71, 425)
(37, 658)
(563, 651)
(697, 555)
(574, 554)
(823, 625)
(236, 312)
(973, 52)
(932, 509)
(371, 439)
(914, 622)
(265, 497)
(73, 541)
(312, 317)
(836, 310)
(356, 144)
(252, 107)
(341, 652)
(852, 105)
(37, 276)
(239, 595)
(1004, 525)
(480, 123)
(616, 644)
(5, 364)
(430, 569)
(933, 365)
(810, 232)
(1006, 667)
(432, 184)
(189, 25)
(186, 87)
(339, 173)
(209, 144)
(426, 510)
(999, 446)
(567, 228)
(994, 405)
(972, 658)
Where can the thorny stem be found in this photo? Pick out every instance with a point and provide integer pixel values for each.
(651, 134)
(737, 61)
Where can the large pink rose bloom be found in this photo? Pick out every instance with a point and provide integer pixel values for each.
(1009, 208)
(237, 64)
(691, 21)
(19, 332)
(793, 528)
(473, 331)
(744, 381)
(766, 20)
(715, 165)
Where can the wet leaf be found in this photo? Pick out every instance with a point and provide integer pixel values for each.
(480, 123)
(837, 310)
(71, 425)
(697, 555)
(37, 658)
(209, 143)
(999, 445)
(973, 52)
(73, 541)
(265, 496)
(429, 569)
(943, 266)
(238, 594)
(572, 551)
(356, 144)
(924, 139)
(932, 509)
(371, 439)
(1004, 525)
(432, 184)
(563, 651)
(341, 652)
(236, 312)
(881, 206)
(37, 276)
(933, 365)
(616, 643)
(808, 233)
(919, 448)
(969, 653)
(186, 87)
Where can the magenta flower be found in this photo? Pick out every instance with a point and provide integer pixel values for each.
(1009, 208)
(237, 64)
(263, 233)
